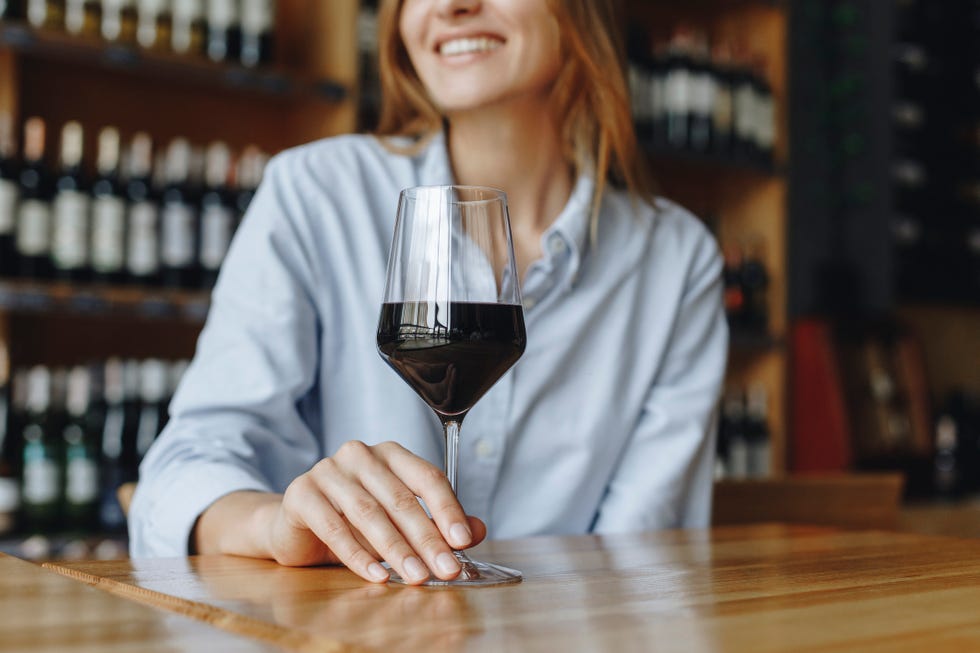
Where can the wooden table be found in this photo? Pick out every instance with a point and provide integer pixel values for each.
(42, 612)
(755, 588)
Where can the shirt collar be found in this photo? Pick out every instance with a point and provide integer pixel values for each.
(571, 225)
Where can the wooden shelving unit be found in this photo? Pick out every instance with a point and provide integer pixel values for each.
(746, 201)
(308, 93)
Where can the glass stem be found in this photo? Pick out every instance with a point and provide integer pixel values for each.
(451, 429)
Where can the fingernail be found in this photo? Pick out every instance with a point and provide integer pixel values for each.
(415, 569)
(377, 572)
(460, 534)
(446, 562)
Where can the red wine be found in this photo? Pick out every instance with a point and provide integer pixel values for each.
(451, 360)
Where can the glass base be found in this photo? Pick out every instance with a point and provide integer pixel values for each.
(474, 574)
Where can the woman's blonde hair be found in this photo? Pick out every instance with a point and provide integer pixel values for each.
(590, 97)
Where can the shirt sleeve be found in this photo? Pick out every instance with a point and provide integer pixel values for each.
(244, 415)
(664, 478)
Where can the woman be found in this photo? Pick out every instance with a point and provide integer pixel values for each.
(290, 439)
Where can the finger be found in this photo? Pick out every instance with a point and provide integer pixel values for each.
(429, 482)
(478, 528)
(364, 512)
(313, 510)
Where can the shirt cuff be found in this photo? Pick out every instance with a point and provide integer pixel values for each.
(163, 513)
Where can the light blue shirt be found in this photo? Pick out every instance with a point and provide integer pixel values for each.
(606, 424)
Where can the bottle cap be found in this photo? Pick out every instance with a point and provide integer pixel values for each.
(108, 157)
(217, 165)
(153, 381)
(38, 397)
(72, 142)
(79, 391)
(34, 139)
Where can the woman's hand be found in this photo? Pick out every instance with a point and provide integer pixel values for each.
(355, 508)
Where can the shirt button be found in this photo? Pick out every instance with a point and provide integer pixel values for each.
(484, 448)
(556, 245)
(529, 303)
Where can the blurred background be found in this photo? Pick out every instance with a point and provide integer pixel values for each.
(833, 146)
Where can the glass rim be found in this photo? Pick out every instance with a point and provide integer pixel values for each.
(412, 192)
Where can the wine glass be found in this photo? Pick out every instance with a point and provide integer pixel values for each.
(451, 319)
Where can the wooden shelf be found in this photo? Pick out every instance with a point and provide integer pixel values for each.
(747, 342)
(670, 161)
(270, 83)
(117, 301)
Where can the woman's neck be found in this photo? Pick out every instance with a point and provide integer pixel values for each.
(518, 150)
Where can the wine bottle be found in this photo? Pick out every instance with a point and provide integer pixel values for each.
(108, 212)
(248, 175)
(224, 40)
(702, 89)
(131, 380)
(153, 406)
(48, 14)
(83, 17)
(743, 89)
(179, 219)
(754, 278)
(677, 89)
(189, 28)
(10, 454)
(42, 482)
(658, 95)
(34, 208)
(765, 116)
(723, 111)
(9, 195)
(734, 291)
(258, 25)
(119, 21)
(81, 443)
(70, 209)
(142, 217)
(112, 464)
(738, 451)
(757, 435)
(217, 213)
(154, 24)
(11, 10)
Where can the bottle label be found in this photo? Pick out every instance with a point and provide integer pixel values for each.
(723, 110)
(8, 206)
(639, 95)
(257, 16)
(677, 92)
(69, 241)
(81, 480)
(40, 476)
(222, 14)
(216, 224)
(177, 247)
(9, 496)
(765, 133)
(658, 97)
(108, 234)
(703, 90)
(745, 112)
(144, 257)
(75, 16)
(37, 12)
(33, 228)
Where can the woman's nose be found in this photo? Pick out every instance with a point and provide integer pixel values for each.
(457, 8)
